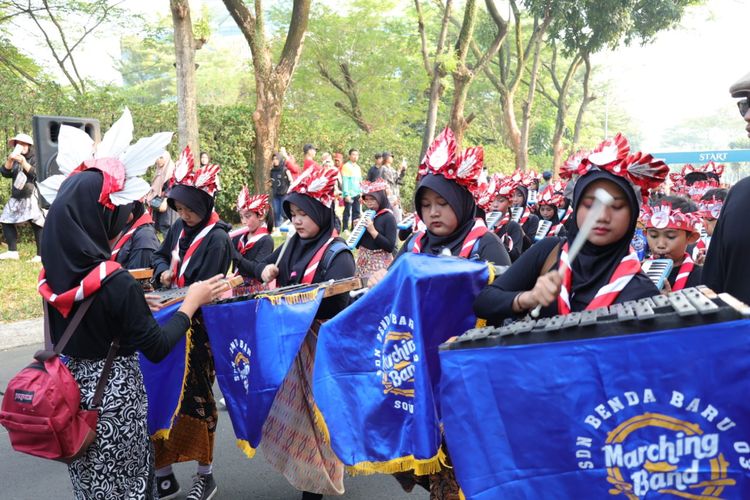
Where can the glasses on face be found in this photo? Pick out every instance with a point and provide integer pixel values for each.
(743, 106)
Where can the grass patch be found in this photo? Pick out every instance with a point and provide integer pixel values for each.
(18, 279)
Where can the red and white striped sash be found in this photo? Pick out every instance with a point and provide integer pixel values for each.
(312, 266)
(684, 273)
(628, 267)
(248, 243)
(178, 279)
(89, 285)
(142, 220)
(479, 230)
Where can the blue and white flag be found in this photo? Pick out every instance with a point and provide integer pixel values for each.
(254, 343)
(653, 415)
(164, 380)
(376, 364)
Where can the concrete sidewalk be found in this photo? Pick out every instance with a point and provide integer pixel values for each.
(21, 333)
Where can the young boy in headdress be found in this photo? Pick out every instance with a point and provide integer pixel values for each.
(669, 232)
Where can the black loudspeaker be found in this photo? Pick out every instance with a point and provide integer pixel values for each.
(46, 129)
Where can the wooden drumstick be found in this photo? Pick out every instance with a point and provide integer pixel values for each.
(289, 235)
(602, 200)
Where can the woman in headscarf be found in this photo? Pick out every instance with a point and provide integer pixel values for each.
(23, 205)
(196, 247)
(314, 254)
(375, 248)
(137, 242)
(606, 257)
(76, 258)
(163, 216)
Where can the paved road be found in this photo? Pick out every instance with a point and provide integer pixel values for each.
(25, 477)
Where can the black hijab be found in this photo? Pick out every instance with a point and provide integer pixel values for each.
(78, 229)
(525, 192)
(382, 198)
(300, 250)
(595, 264)
(463, 205)
(555, 217)
(727, 266)
(196, 200)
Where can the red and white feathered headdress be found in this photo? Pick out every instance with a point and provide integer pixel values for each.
(484, 193)
(504, 186)
(203, 177)
(613, 155)
(552, 195)
(710, 209)
(257, 203)
(441, 159)
(374, 186)
(120, 163)
(665, 217)
(317, 182)
(573, 164)
(691, 175)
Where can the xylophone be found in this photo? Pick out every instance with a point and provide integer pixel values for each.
(492, 219)
(331, 288)
(542, 229)
(359, 229)
(169, 296)
(143, 276)
(657, 270)
(684, 308)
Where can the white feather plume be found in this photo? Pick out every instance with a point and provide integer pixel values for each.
(51, 185)
(135, 189)
(141, 155)
(74, 147)
(317, 184)
(117, 138)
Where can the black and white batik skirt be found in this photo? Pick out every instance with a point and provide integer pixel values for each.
(120, 462)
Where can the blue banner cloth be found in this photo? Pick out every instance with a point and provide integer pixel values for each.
(164, 380)
(651, 415)
(254, 343)
(377, 364)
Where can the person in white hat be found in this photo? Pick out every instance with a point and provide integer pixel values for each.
(23, 205)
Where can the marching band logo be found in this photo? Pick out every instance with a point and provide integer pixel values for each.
(240, 359)
(396, 358)
(683, 448)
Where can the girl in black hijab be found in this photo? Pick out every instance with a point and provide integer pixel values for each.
(137, 242)
(449, 212)
(75, 248)
(196, 247)
(314, 254)
(375, 248)
(606, 253)
(529, 222)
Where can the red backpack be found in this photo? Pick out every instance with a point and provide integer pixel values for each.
(41, 406)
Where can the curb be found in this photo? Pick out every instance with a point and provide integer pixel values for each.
(21, 333)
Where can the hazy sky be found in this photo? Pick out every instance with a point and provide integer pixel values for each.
(684, 74)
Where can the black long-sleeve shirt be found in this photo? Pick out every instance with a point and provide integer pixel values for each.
(14, 172)
(694, 279)
(495, 302)
(119, 310)
(341, 267)
(138, 251)
(385, 225)
(515, 233)
(245, 263)
(490, 249)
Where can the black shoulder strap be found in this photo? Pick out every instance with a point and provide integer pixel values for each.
(336, 247)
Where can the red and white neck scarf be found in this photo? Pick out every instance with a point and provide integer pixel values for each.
(89, 285)
(479, 230)
(502, 222)
(141, 221)
(244, 243)
(312, 266)
(628, 267)
(683, 274)
(178, 278)
(381, 212)
(555, 230)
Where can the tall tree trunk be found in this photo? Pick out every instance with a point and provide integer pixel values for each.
(522, 161)
(271, 82)
(436, 92)
(187, 101)
(585, 100)
(512, 132)
(458, 123)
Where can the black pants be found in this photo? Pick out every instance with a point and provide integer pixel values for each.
(10, 233)
(353, 209)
